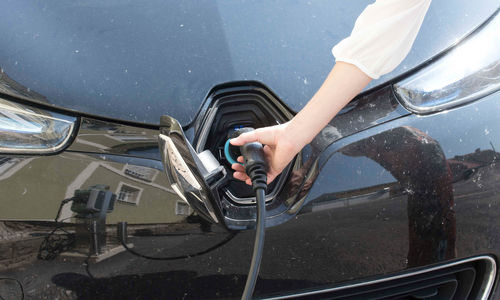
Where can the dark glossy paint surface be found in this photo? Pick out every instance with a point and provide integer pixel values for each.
(95, 136)
(137, 61)
(362, 113)
(403, 194)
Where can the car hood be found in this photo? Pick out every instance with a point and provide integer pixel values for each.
(135, 61)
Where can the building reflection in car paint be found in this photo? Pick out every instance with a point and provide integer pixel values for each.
(106, 137)
(157, 218)
(135, 185)
(132, 180)
(356, 214)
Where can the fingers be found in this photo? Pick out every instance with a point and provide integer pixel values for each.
(240, 176)
(243, 177)
(244, 138)
(240, 173)
(264, 135)
(238, 168)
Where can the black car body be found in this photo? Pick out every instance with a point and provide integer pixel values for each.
(102, 197)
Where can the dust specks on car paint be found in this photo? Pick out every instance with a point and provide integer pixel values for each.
(409, 191)
(477, 180)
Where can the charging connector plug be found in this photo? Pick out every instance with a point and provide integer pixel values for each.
(254, 160)
(256, 168)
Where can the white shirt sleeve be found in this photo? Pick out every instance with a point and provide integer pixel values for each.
(382, 36)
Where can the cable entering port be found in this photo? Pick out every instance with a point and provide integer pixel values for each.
(256, 168)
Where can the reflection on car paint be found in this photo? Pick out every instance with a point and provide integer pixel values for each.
(360, 215)
(420, 168)
(98, 136)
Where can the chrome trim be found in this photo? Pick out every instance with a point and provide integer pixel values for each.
(185, 171)
(248, 200)
(204, 130)
(485, 288)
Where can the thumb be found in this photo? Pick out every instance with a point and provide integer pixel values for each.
(263, 135)
(244, 138)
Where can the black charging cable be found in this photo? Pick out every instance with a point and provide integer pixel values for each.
(256, 168)
(122, 238)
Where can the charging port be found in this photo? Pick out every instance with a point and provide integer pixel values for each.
(229, 113)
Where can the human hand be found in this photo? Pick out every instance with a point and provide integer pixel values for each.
(279, 149)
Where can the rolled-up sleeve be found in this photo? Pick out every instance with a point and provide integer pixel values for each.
(382, 35)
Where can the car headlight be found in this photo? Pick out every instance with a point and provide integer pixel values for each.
(29, 130)
(467, 72)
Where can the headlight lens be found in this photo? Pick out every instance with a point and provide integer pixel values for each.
(469, 71)
(25, 129)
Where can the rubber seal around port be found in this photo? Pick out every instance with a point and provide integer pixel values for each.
(229, 158)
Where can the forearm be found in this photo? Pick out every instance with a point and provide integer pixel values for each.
(343, 83)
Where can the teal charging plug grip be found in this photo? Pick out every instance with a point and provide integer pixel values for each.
(233, 152)
(230, 151)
